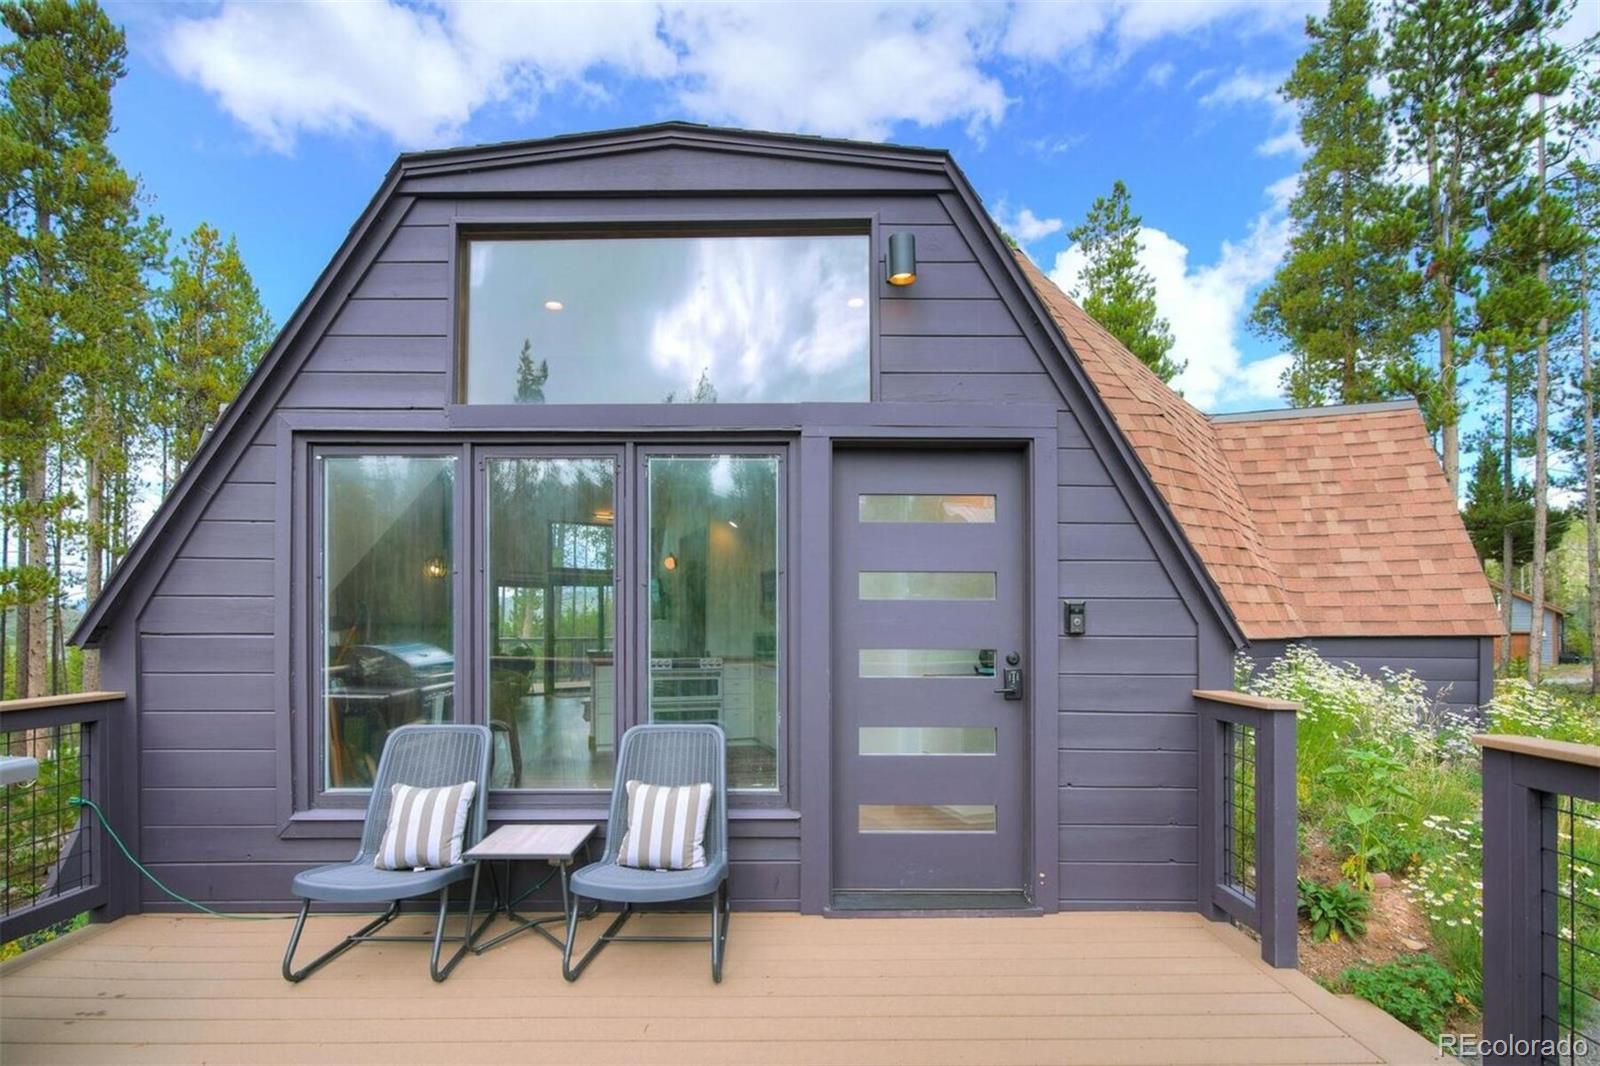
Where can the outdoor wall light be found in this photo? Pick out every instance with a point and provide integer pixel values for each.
(902, 259)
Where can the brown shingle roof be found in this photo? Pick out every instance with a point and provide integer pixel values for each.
(1332, 523)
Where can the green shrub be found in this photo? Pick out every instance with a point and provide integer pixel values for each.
(1334, 911)
(1416, 989)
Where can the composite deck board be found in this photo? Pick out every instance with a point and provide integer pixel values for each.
(1109, 989)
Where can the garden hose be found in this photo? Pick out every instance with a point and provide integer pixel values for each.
(105, 823)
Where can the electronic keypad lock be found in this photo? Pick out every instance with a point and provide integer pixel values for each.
(1011, 678)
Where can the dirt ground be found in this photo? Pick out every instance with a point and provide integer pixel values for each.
(1394, 925)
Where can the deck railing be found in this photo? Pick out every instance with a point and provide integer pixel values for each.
(1247, 817)
(1541, 900)
(52, 852)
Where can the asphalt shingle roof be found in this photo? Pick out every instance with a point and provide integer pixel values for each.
(1334, 522)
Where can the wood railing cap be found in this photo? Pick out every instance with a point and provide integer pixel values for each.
(1555, 750)
(64, 699)
(1246, 699)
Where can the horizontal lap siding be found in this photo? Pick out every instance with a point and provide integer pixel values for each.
(1127, 733)
(1448, 666)
(209, 717)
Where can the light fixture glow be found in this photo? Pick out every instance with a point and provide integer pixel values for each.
(435, 568)
(604, 515)
(855, 301)
(902, 259)
(732, 523)
(670, 562)
(553, 305)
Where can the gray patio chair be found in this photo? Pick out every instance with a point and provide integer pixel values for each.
(659, 755)
(424, 756)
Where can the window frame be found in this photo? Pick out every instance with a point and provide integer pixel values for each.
(317, 793)
(308, 802)
(482, 455)
(777, 797)
(465, 233)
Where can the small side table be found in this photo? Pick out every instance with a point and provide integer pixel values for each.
(558, 845)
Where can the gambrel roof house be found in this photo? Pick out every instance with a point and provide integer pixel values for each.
(688, 424)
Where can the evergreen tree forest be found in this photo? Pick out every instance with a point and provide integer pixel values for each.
(118, 345)
(1444, 248)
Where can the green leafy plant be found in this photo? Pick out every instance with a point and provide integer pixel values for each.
(1370, 785)
(1334, 911)
(1416, 989)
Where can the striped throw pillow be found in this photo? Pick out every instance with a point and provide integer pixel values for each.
(426, 826)
(666, 826)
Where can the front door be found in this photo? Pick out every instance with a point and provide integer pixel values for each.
(930, 676)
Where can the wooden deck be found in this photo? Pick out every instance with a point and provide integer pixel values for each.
(1105, 989)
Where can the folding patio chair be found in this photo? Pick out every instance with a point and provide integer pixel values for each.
(423, 756)
(660, 755)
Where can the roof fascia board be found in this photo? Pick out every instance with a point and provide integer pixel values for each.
(671, 135)
(1330, 411)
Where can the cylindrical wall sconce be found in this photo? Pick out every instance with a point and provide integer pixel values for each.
(902, 258)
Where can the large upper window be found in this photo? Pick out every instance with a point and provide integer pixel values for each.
(668, 319)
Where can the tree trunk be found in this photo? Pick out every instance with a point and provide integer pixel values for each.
(1507, 539)
(5, 564)
(1541, 436)
(36, 610)
(1590, 526)
(94, 539)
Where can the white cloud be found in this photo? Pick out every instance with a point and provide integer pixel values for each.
(413, 74)
(416, 74)
(1247, 88)
(1161, 73)
(1026, 226)
(1207, 305)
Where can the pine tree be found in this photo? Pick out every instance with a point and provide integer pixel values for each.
(211, 331)
(60, 191)
(1343, 298)
(1115, 289)
(1437, 62)
(531, 376)
(1490, 517)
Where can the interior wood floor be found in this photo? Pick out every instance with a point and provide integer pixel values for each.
(1103, 988)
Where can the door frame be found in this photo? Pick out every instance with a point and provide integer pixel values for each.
(1041, 838)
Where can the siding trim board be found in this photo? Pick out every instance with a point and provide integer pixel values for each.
(368, 359)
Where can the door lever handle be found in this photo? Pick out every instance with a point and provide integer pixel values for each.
(1011, 682)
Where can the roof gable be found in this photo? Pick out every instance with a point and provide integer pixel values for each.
(659, 158)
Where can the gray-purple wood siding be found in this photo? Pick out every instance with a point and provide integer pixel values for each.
(1457, 671)
(212, 624)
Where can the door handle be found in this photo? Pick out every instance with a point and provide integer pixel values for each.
(1011, 683)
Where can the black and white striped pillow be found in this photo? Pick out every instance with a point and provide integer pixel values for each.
(666, 826)
(426, 826)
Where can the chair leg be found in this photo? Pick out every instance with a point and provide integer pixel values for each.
(469, 933)
(719, 930)
(293, 975)
(568, 970)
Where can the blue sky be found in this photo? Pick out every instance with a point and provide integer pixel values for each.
(276, 122)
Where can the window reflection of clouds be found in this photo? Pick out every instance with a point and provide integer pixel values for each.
(761, 319)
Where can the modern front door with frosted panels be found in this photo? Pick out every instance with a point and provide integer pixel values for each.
(929, 674)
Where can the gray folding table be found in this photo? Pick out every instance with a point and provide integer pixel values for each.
(557, 845)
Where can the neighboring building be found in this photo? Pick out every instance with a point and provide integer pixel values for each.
(480, 476)
(1555, 621)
